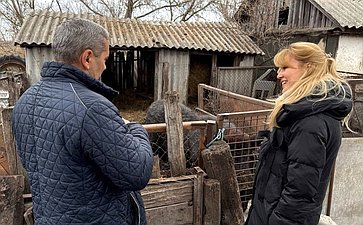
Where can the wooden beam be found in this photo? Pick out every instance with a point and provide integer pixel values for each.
(161, 127)
(174, 128)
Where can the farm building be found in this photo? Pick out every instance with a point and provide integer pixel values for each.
(337, 25)
(150, 57)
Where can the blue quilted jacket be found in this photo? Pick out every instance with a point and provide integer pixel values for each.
(84, 163)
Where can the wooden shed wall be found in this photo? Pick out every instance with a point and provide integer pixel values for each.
(303, 14)
(237, 79)
(178, 73)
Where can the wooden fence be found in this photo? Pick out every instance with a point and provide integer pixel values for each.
(185, 197)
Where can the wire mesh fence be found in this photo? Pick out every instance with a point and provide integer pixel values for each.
(243, 119)
(242, 133)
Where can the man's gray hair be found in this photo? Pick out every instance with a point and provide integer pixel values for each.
(74, 36)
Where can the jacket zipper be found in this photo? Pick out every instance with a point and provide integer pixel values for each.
(138, 208)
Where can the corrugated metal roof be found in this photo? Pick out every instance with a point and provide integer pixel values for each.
(39, 26)
(348, 13)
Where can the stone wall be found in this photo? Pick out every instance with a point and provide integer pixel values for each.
(347, 198)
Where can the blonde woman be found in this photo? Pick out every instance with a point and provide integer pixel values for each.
(296, 159)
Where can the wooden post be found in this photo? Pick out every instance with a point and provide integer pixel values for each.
(218, 163)
(14, 88)
(200, 96)
(212, 202)
(198, 197)
(174, 131)
(15, 166)
(11, 200)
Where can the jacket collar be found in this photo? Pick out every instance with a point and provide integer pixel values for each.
(337, 104)
(58, 70)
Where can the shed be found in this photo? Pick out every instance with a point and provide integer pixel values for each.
(337, 25)
(149, 57)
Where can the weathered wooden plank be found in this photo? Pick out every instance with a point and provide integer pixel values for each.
(306, 14)
(317, 19)
(200, 97)
(14, 90)
(15, 166)
(293, 12)
(161, 127)
(212, 202)
(219, 165)
(198, 197)
(175, 200)
(157, 195)
(11, 199)
(313, 12)
(178, 214)
(301, 14)
(156, 168)
(165, 79)
(174, 128)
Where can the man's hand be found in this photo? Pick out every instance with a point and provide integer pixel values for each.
(125, 121)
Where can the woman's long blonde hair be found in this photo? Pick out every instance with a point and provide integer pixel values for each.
(320, 70)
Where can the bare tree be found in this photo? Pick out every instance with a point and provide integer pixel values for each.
(260, 20)
(192, 8)
(172, 10)
(13, 12)
(228, 9)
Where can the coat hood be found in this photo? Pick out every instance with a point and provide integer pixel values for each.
(337, 104)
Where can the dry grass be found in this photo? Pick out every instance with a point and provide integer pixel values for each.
(133, 106)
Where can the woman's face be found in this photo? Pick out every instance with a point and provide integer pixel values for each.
(290, 74)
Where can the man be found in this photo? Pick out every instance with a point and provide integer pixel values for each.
(85, 163)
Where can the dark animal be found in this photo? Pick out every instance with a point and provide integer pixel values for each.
(156, 114)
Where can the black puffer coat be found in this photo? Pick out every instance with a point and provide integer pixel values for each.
(296, 161)
(85, 164)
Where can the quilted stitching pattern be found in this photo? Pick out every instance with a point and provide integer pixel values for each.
(82, 160)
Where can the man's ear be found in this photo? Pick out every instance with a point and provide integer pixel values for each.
(86, 58)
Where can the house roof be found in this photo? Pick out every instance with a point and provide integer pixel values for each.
(348, 13)
(39, 26)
